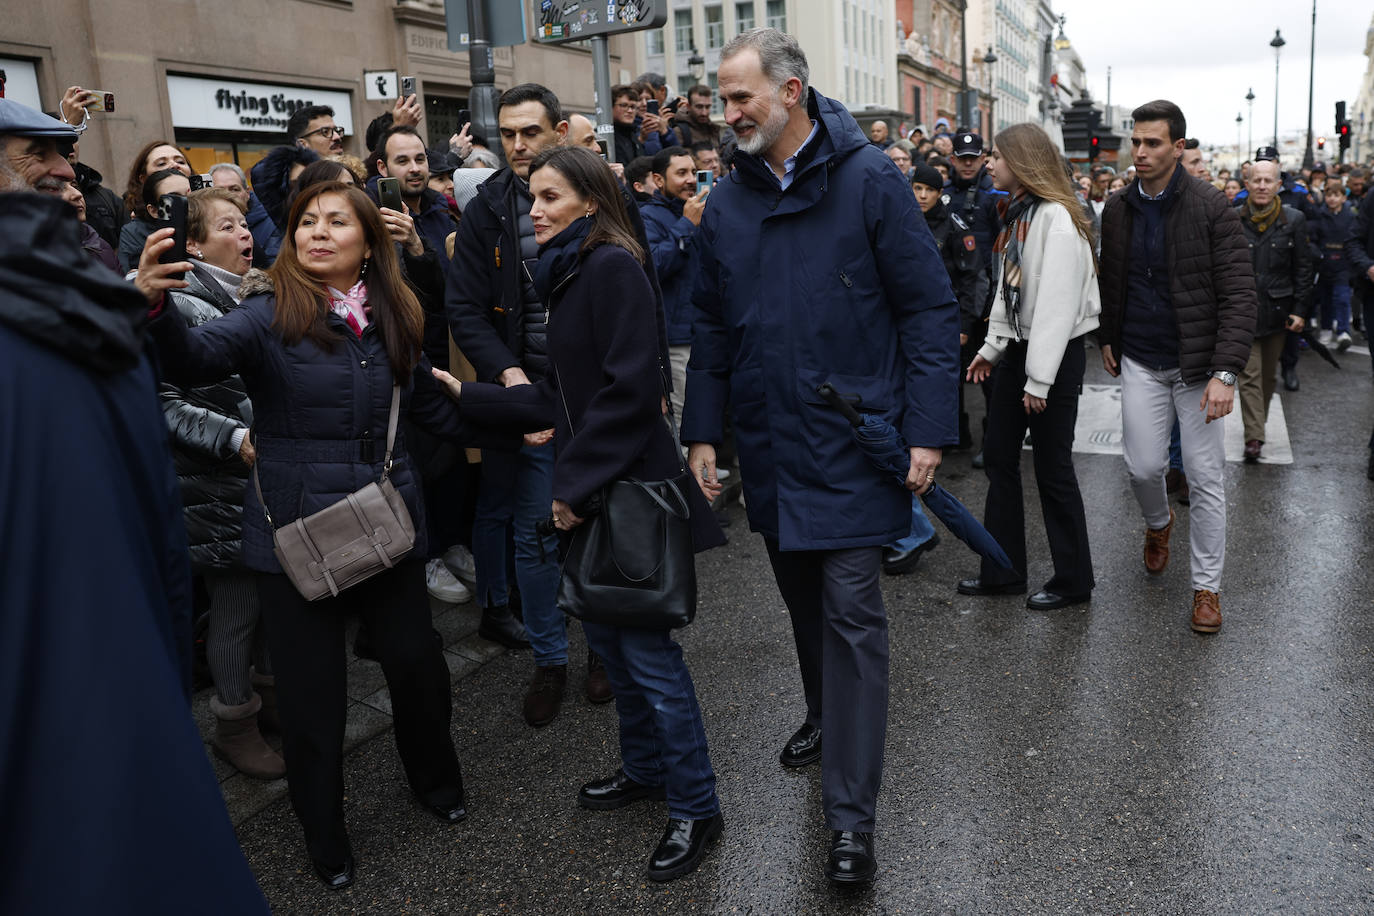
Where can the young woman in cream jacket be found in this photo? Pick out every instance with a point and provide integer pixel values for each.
(1045, 300)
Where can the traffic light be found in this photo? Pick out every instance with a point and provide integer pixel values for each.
(1094, 147)
(1340, 115)
(1321, 143)
(1345, 136)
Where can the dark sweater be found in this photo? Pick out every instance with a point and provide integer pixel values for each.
(1149, 332)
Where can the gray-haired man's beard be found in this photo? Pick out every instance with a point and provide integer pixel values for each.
(767, 133)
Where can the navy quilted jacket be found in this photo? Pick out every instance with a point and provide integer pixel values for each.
(319, 418)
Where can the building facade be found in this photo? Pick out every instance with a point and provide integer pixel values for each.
(221, 80)
(850, 45)
(930, 68)
(1361, 113)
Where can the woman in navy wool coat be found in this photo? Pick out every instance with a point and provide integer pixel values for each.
(604, 399)
(319, 353)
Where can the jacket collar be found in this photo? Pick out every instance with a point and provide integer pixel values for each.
(674, 204)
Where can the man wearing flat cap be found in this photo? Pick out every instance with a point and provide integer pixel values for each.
(101, 768)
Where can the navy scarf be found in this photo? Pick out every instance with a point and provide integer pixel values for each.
(558, 257)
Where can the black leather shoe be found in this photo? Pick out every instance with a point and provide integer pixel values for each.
(616, 791)
(976, 587)
(335, 877)
(448, 814)
(1290, 378)
(900, 562)
(802, 748)
(851, 858)
(683, 846)
(499, 625)
(1045, 600)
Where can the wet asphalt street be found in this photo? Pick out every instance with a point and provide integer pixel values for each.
(1101, 759)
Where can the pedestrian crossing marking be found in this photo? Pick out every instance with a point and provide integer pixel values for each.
(1098, 430)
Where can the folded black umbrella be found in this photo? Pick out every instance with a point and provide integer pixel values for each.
(1318, 347)
(886, 450)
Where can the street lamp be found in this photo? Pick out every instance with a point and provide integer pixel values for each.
(696, 64)
(1277, 44)
(1250, 120)
(988, 60)
(964, 113)
(1238, 159)
(1307, 159)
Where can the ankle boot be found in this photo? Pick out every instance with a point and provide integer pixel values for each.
(266, 686)
(499, 625)
(238, 741)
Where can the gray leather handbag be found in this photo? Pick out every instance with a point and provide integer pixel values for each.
(357, 537)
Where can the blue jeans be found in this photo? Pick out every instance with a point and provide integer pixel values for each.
(662, 738)
(921, 529)
(1175, 449)
(518, 488)
(1333, 296)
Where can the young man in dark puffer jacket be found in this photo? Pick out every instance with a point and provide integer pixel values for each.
(1178, 315)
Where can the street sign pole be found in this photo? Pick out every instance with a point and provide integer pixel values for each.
(601, 83)
(482, 70)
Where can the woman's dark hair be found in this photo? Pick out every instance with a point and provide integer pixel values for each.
(133, 188)
(593, 179)
(317, 172)
(303, 303)
(149, 194)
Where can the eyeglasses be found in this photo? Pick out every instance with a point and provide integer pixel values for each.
(327, 132)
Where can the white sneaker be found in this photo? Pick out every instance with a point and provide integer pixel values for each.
(460, 562)
(441, 584)
(1343, 341)
(1326, 337)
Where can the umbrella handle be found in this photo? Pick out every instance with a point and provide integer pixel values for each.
(835, 400)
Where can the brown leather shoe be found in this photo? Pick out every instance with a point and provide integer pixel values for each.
(1206, 611)
(545, 695)
(1157, 546)
(598, 686)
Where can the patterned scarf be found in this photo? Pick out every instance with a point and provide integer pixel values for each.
(1263, 217)
(351, 306)
(1016, 214)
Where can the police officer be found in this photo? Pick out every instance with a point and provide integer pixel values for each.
(970, 197)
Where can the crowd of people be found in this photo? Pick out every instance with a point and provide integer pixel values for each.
(498, 338)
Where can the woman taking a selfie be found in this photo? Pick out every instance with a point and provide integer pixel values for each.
(319, 352)
(604, 397)
(1045, 300)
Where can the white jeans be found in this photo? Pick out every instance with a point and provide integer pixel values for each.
(1150, 401)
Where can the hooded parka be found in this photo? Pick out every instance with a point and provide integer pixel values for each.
(834, 279)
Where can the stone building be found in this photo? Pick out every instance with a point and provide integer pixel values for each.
(220, 80)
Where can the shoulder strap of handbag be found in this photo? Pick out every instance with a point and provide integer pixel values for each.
(662, 388)
(391, 424)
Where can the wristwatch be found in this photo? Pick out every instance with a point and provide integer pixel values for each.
(1226, 378)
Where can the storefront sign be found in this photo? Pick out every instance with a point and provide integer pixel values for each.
(231, 105)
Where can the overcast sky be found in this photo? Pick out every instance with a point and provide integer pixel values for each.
(1205, 54)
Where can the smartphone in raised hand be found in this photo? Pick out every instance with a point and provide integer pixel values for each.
(389, 194)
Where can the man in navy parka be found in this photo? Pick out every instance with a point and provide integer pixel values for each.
(816, 265)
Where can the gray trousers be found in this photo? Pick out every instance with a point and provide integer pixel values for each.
(235, 640)
(678, 354)
(1150, 400)
(840, 628)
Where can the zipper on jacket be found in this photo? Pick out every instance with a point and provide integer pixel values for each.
(844, 278)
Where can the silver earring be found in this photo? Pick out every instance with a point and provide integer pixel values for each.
(589, 213)
(362, 271)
